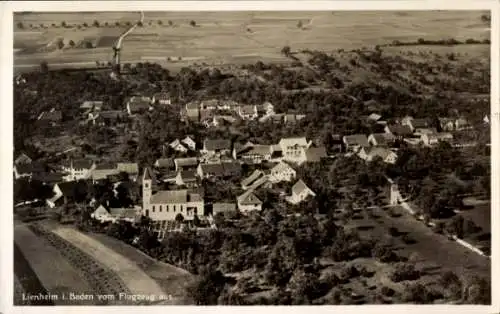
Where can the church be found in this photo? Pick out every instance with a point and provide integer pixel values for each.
(165, 205)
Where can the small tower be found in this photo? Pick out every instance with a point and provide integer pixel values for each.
(394, 194)
(147, 189)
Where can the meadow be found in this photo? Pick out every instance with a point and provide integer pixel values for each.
(236, 37)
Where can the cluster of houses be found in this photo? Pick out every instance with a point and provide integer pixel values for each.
(215, 112)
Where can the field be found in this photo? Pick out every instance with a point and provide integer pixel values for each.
(60, 260)
(237, 37)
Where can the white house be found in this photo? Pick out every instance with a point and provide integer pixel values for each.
(102, 214)
(282, 172)
(300, 192)
(294, 149)
(78, 169)
(177, 146)
(248, 112)
(432, 139)
(249, 202)
(369, 153)
(161, 98)
(189, 142)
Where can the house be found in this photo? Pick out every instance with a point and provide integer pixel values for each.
(138, 104)
(315, 154)
(101, 214)
(416, 124)
(486, 119)
(434, 138)
(192, 111)
(177, 146)
(63, 191)
(355, 142)
(209, 104)
(398, 131)
(210, 170)
(282, 172)
(218, 146)
(248, 201)
(248, 112)
(254, 154)
(223, 208)
(300, 192)
(78, 169)
(369, 153)
(165, 163)
(95, 105)
(421, 131)
(189, 143)
(239, 148)
(186, 177)
(52, 117)
(165, 205)
(250, 180)
(381, 139)
(293, 118)
(447, 124)
(462, 124)
(161, 98)
(293, 149)
(130, 168)
(374, 117)
(22, 159)
(108, 117)
(102, 171)
(189, 163)
(28, 170)
(267, 108)
(223, 120)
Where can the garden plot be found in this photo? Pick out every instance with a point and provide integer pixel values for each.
(54, 272)
(134, 278)
(102, 280)
(172, 280)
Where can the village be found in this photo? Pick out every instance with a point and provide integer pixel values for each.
(171, 187)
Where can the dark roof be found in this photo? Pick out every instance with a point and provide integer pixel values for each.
(47, 177)
(105, 166)
(211, 145)
(22, 159)
(400, 130)
(231, 167)
(356, 139)
(148, 174)
(67, 187)
(314, 154)
(213, 169)
(138, 104)
(111, 114)
(420, 123)
(82, 163)
(223, 207)
(31, 168)
(188, 175)
(165, 163)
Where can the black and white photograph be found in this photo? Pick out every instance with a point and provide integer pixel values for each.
(250, 157)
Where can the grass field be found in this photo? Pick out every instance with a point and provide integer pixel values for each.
(241, 37)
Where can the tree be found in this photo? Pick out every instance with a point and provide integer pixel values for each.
(63, 24)
(85, 24)
(72, 43)
(207, 289)
(44, 67)
(285, 51)
(117, 23)
(20, 25)
(96, 23)
(160, 22)
(140, 24)
(179, 217)
(170, 23)
(299, 24)
(192, 23)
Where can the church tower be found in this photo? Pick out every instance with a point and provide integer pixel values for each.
(147, 190)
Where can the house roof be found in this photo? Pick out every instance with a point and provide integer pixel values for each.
(139, 103)
(33, 167)
(299, 187)
(281, 166)
(186, 162)
(128, 167)
(444, 135)
(215, 169)
(247, 109)
(101, 174)
(356, 139)
(374, 117)
(82, 163)
(223, 207)
(293, 118)
(89, 104)
(54, 116)
(261, 150)
(379, 151)
(162, 96)
(123, 212)
(400, 130)
(67, 187)
(174, 196)
(47, 177)
(249, 198)
(105, 166)
(382, 138)
(22, 159)
(187, 175)
(231, 167)
(175, 143)
(290, 141)
(101, 210)
(211, 145)
(111, 114)
(165, 163)
(420, 123)
(250, 179)
(314, 154)
(148, 174)
(192, 106)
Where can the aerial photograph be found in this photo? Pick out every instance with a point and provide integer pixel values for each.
(251, 158)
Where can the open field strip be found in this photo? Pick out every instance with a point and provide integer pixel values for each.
(102, 280)
(171, 279)
(53, 270)
(135, 279)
